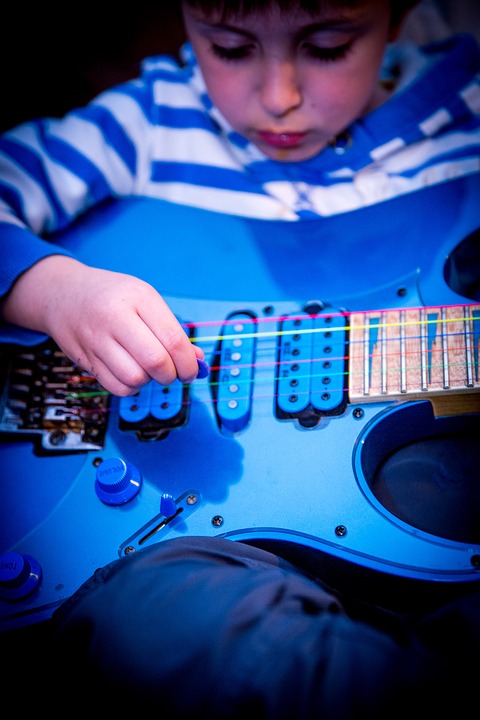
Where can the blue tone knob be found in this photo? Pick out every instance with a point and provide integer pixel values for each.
(117, 482)
(168, 506)
(20, 575)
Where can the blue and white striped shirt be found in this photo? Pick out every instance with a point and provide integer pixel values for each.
(159, 136)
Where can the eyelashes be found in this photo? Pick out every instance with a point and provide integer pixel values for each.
(328, 54)
(315, 52)
(235, 53)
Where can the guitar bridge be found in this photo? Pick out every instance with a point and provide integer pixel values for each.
(50, 400)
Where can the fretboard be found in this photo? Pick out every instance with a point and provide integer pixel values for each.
(414, 353)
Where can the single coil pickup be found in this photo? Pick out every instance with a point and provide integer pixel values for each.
(231, 382)
(51, 400)
(311, 367)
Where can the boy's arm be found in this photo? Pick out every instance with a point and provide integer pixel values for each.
(113, 325)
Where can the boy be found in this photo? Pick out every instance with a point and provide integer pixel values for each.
(283, 117)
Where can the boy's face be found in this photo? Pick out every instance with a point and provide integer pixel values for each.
(292, 81)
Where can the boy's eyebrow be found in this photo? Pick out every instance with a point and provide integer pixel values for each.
(229, 28)
(339, 22)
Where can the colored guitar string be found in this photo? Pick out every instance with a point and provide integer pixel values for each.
(255, 321)
(300, 331)
(72, 395)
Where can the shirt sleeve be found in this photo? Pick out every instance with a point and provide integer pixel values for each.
(52, 170)
(20, 249)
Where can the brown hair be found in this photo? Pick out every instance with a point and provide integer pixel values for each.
(229, 8)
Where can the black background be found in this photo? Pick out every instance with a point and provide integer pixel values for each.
(52, 60)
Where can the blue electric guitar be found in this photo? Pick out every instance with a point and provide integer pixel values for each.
(338, 426)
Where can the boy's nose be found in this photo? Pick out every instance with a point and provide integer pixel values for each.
(279, 90)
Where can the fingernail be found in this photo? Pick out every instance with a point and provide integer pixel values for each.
(203, 368)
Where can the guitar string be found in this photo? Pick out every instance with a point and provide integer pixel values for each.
(467, 309)
(307, 361)
(342, 328)
(432, 366)
(327, 312)
(375, 390)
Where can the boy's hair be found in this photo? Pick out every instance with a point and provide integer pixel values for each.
(229, 8)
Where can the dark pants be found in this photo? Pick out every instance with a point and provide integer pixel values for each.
(212, 627)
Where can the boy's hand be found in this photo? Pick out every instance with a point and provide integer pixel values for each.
(113, 325)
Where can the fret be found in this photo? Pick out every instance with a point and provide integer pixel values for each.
(391, 320)
(414, 353)
(356, 353)
(468, 330)
(461, 348)
(413, 335)
(446, 374)
(366, 358)
(384, 359)
(403, 356)
(423, 350)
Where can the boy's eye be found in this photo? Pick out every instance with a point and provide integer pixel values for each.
(328, 54)
(317, 52)
(231, 53)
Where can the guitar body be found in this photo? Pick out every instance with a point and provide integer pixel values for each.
(383, 494)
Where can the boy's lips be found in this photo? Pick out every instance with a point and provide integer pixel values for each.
(281, 140)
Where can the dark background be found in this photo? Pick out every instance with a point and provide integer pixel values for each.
(52, 60)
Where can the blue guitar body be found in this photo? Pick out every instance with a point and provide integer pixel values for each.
(385, 494)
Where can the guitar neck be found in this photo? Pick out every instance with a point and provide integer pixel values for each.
(416, 353)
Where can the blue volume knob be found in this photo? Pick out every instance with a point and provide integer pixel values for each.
(117, 482)
(20, 575)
